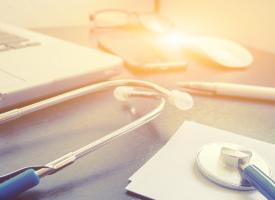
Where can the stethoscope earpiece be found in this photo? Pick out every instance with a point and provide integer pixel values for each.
(179, 99)
(122, 93)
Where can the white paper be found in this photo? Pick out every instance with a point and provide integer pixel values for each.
(173, 175)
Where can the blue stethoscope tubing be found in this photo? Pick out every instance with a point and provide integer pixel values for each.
(19, 181)
(263, 183)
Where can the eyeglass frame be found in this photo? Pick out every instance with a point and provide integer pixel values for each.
(129, 14)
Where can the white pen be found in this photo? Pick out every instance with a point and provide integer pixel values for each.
(231, 89)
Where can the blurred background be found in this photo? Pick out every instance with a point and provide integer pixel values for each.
(251, 22)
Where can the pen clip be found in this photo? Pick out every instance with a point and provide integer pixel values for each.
(198, 87)
(197, 91)
(17, 172)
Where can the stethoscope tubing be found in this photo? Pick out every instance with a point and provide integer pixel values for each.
(17, 182)
(263, 183)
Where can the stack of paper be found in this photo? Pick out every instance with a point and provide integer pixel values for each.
(172, 173)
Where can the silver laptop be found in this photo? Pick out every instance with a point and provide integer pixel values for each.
(34, 66)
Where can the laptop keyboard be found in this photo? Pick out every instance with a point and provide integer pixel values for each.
(10, 41)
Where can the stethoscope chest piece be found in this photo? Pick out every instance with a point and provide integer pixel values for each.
(222, 162)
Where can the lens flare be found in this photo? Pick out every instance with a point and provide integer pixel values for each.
(174, 39)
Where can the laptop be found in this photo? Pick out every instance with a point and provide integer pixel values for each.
(34, 66)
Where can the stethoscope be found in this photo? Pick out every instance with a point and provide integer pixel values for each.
(21, 180)
(236, 167)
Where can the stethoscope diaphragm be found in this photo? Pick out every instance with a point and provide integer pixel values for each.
(210, 161)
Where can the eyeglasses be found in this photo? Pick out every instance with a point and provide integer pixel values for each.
(112, 18)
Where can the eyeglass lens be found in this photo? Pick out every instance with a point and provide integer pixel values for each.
(111, 19)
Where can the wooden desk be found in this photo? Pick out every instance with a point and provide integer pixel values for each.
(45, 135)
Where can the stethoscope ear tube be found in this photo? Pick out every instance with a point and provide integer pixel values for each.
(260, 181)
